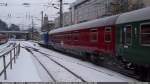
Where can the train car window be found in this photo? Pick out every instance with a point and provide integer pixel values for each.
(94, 35)
(145, 35)
(108, 34)
(76, 36)
(69, 37)
(128, 35)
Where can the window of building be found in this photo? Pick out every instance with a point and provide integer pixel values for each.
(94, 35)
(128, 34)
(145, 34)
(108, 34)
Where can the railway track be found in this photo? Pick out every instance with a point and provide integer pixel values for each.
(47, 56)
(127, 73)
(122, 71)
(50, 75)
(77, 63)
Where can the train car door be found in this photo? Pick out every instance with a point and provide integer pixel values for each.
(126, 39)
(108, 39)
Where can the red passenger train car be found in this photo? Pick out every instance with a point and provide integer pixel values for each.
(93, 39)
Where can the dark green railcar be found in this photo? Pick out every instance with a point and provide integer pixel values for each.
(133, 36)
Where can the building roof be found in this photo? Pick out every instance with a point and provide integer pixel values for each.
(137, 15)
(77, 2)
(86, 25)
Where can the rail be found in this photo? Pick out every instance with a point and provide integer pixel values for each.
(8, 58)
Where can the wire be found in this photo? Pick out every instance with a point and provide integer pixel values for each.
(49, 5)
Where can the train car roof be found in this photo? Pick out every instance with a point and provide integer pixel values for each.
(137, 15)
(107, 21)
(43, 33)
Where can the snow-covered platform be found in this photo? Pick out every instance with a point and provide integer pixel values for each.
(37, 64)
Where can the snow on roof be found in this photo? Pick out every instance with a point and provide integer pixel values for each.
(137, 15)
(91, 24)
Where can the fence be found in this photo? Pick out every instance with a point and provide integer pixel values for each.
(13, 53)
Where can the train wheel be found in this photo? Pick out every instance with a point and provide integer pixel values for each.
(83, 56)
(93, 59)
(143, 73)
(148, 75)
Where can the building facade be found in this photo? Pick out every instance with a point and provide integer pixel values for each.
(67, 19)
(47, 25)
(146, 3)
(86, 10)
(57, 22)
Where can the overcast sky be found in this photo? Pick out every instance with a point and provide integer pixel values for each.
(18, 14)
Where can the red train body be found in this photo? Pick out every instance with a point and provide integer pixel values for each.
(94, 37)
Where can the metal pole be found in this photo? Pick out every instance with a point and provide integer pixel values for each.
(14, 56)
(32, 29)
(42, 21)
(19, 48)
(4, 62)
(127, 6)
(10, 59)
(61, 13)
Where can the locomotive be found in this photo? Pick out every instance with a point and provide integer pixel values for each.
(124, 38)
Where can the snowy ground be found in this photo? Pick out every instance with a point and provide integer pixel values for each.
(3, 49)
(29, 69)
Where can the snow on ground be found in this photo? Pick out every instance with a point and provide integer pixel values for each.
(3, 49)
(3, 46)
(60, 74)
(92, 73)
(24, 70)
(28, 69)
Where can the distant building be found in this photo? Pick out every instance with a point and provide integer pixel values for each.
(135, 4)
(146, 3)
(67, 19)
(119, 6)
(86, 10)
(57, 22)
(47, 25)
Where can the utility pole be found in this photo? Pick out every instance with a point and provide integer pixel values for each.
(42, 20)
(32, 29)
(127, 6)
(61, 13)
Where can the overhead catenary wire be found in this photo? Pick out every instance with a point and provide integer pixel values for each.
(27, 15)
